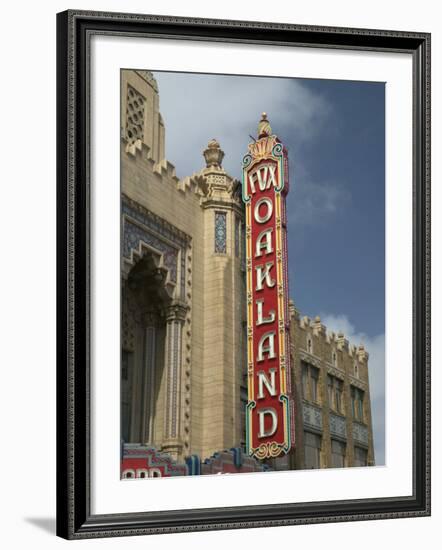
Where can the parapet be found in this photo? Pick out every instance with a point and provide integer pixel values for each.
(337, 341)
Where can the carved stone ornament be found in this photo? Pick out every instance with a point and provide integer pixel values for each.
(177, 311)
(213, 154)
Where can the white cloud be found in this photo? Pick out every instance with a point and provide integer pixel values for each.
(313, 201)
(197, 108)
(376, 368)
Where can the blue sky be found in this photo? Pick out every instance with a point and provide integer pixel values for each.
(334, 132)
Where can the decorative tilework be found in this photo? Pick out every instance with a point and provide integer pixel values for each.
(360, 433)
(337, 426)
(312, 416)
(170, 369)
(153, 222)
(174, 337)
(183, 274)
(132, 236)
(155, 232)
(175, 369)
(220, 232)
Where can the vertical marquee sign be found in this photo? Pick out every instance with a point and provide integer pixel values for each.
(269, 415)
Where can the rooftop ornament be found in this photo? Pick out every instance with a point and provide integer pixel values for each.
(213, 154)
(264, 128)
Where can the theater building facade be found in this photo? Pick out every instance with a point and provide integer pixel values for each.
(184, 332)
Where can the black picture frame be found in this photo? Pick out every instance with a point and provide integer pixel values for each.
(74, 518)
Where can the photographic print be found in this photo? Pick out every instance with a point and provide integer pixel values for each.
(252, 274)
(243, 240)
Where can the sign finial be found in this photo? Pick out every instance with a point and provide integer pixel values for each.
(264, 128)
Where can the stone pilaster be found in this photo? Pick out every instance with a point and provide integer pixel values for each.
(150, 322)
(175, 317)
(224, 307)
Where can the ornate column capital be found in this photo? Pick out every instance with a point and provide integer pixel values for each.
(176, 311)
(173, 447)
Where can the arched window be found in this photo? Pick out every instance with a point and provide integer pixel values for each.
(144, 300)
(357, 403)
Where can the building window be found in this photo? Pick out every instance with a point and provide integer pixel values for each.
(360, 456)
(220, 232)
(338, 395)
(312, 450)
(330, 390)
(134, 115)
(314, 377)
(338, 453)
(357, 404)
(334, 390)
(310, 382)
(305, 394)
(309, 345)
(334, 359)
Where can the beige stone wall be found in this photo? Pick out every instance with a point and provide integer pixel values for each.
(332, 355)
(224, 313)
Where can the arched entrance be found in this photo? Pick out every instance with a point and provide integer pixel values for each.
(144, 306)
(151, 357)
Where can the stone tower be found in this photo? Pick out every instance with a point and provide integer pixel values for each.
(224, 305)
